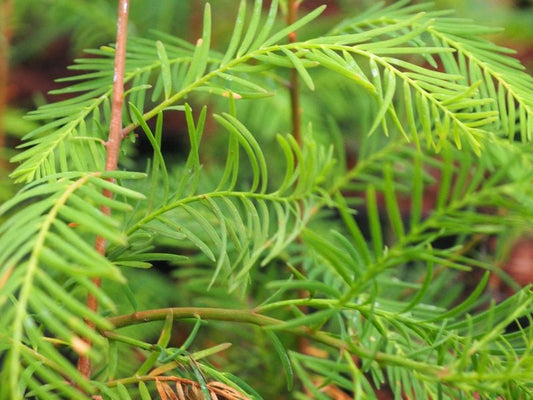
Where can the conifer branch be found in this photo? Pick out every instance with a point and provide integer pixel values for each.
(352, 270)
(253, 318)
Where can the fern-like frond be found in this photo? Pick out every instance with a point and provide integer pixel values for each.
(237, 227)
(42, 247)
(479, 64)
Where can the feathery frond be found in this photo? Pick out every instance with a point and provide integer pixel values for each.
(233, 226)
(41, 247)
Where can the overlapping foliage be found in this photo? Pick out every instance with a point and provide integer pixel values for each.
(290, 239)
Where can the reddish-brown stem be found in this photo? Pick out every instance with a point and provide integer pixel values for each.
(294, 90)
(294, 85)
(113, 147)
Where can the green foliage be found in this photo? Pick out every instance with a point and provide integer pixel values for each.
(270, 242)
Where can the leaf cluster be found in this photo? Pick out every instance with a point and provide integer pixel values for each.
(380, 266)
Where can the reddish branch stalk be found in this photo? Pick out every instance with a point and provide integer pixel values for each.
(294, 85)
(294, 90)
(113, 147)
